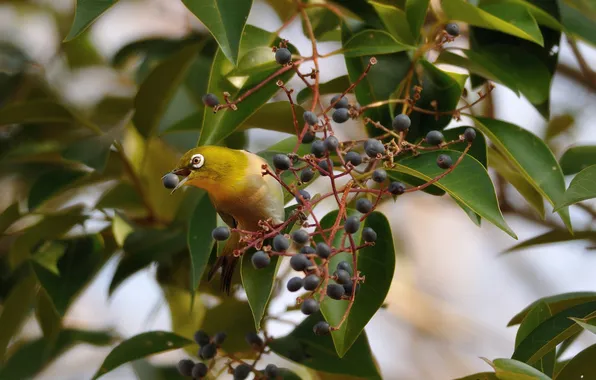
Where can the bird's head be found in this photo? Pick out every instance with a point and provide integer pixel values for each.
(210, 167)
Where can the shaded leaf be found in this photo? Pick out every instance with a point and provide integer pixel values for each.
(200, 241)
(275, 116)
(317, 352)
(48, 255)
(416, 14)
(93, 151)
(557, 125)
(258, 284)
(193, 122)
(396, 22)
(36, 111)
(538, 166)
(140, 346)
(578, 22)
(47, 316)
(577, 158)
(478, 149)
(123, 196)
(581, 366)
(556, 304)
(554, 236)
(361, 44)
(468, 183)
(582, 187)
(538, 314)
(335, 85)
(322, 21)
(51, 183)
(187, 313)
(225, 19)
(10, 215)
(86, 12)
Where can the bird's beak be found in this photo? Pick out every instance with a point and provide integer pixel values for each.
(183, 172)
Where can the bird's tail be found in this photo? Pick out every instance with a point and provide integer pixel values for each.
(227, 262)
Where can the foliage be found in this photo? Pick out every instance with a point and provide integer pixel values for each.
(394, 54)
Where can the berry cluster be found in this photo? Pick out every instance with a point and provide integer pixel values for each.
(210, 347)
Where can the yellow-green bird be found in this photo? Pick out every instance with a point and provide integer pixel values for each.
(240, 193)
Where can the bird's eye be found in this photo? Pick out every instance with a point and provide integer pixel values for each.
(197, 160)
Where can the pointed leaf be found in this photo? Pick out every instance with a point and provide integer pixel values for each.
(578, 22)
(317, 352)
(200, 241)
(225, 19)
(416, 14)
(556, 304)
(581, 366)
(582, 187)
(258, 284)
(538, 166)
(538, 314)
(481, 376)
(322, 21)
(372, 42)
(589, 325)
(509, 369)
(554, 236)
(275, 116)
(10, 215)
(577, 158)
(86, 12)
(37, 111)
(51, 183)
(468, 183)
(396, 22)
(47, 316)
(140, 346)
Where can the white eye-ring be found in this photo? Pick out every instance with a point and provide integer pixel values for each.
(197, 160)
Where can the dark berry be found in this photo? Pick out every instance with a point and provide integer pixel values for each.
(340, 115)
(323, 250)
(311, 282)
(309, 306)
(271, 371)
(281, 243)
(283, 56)
(434, 138)
(335, 291)
(260, 260)
(308, 137)
(210, 100)
(343, 277)
(199, 370)
(444, 161)
(253, 339)
(372, 147)
(318, 148)
(401, 122)
(294, 284)
(220, 233)
(353, 157)
(470, 134)
(349, 287)
(379, 175)
(344, 265)
(300, 236)
(219, 338)
(306, 175)
(363, 205)
(281, 161)
(396, 188)
(452, 29)
(304, 194)
(242, 371)
(185, 367)
(321, 328)
(325, 166)
(208, 351)
(310, 118)
(331, 143)
(299, 262)
(352, 224)
(170, 180)
(369, 235)
(307, 250)
(201, 338)
(343, 103)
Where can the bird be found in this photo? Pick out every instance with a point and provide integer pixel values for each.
(239, 192)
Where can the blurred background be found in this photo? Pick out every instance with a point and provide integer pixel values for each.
(453, 291)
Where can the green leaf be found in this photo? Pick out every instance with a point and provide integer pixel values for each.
(225, 19)
(468, 183)
(157, 90)
(510, 369)
(379, 83)
(317, 352)
(577, 158)
(48, 317)
(123, 196)
(372, 42)
(15, 309)
(32, 356)
(416, 14)
(200, 241)
(539, 167)
(86, 12)
(140, 346)
(556, 304)
(10, 215)
(582, 187)
(538, 314)
(581, 366)
(218, 126)
(588, 325)
(521, 184)
(258, 284)
(554, 236)
(36, 111)
(548, 334)
(441, 88)
(193, 122)
(335, 85)
(322, 21)
(275, 116)
(235, 318)
(478, 150)
(396, 21)
(81, 260)
(51, 183)
(578, 22)
(142, 247)
(93, 151)
(557, 125)
(513, 19)
(481, 376)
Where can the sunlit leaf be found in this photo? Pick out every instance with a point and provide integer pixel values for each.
(322, 21)
(582, 187)
(48, 317)
(86, 12)
(372, 42)
(510, 369)
(480, 376)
